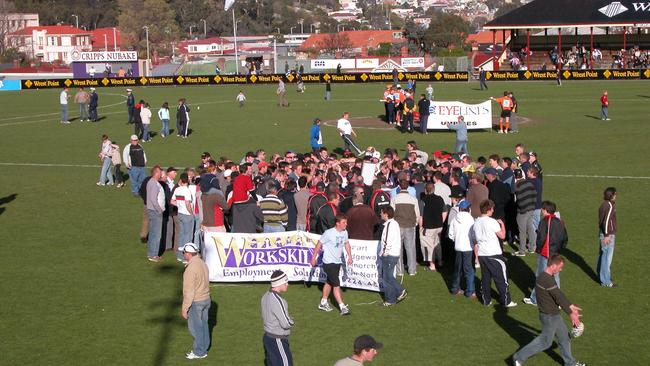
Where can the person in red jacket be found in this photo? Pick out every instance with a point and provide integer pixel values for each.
(604, 106)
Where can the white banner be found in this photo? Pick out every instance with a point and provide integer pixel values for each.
(412, 61)
(320, 64)
(104, 56)
(233, 257)
(367, 63)
(443, 114)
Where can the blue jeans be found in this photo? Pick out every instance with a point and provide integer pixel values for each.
(552, 326)
(463, 265)
(604, 112)
(407, 235)
(198, 240)
(273, 228)
(64, 113)
(392, 288)
(542, 263)
(165, 129)
(155, 232)
(145, 132)
(537, 216)
(136, 174)
(605, 256)
(197, 323)
(424, 118)
(461, 146)
(186, 231)
(105, 174)
(83, 111)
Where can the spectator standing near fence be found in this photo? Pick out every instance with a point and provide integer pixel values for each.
(196, 300)
(604, 106)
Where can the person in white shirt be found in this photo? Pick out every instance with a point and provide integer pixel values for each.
(145, 116)
(390, 250)
(461, 232)
(345, 130)
(487, 232)
(63, 100)
(183, 198)
(241, 98)
(163, 115)
(105, 157)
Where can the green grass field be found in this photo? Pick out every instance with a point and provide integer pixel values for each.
(77, 288)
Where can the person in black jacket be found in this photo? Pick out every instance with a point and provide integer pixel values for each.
(137, 120)
(92, 106)
(326, 215)
(130, 105)
(423, 108)
(551, 238)
(286, 195)
(315, 201)
(182, 118)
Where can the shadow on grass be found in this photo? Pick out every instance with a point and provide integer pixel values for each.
(643, 96)
(521, 274)
(577, 259)
(5, 200)
(591, 116)
(520, 332)
(171, 314)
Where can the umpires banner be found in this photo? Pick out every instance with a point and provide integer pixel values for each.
(243, 79)
(630, 74)
(445, 114)
(235, 257)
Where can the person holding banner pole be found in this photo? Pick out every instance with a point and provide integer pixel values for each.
(332, 243)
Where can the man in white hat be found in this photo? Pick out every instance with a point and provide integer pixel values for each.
(277, 322)
(196, 300)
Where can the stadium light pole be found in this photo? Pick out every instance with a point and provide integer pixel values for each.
(205, 28)
(234, 33)
(105, 43)
(76, 18)
(114, 39)
(302, 30)
(291, 29)
(146, 32)
(191, 26)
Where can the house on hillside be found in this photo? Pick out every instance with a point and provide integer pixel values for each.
(12, 22)
(50, 43)
(352, 42)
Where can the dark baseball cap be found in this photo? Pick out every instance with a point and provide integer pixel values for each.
(457, 192)
(491, 171)
(365, 341)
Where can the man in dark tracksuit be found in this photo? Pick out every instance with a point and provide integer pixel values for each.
(550, 298)
(130, 105)
(182, 118)
(92, 106)
(315, 202)
(423, 108)
(551, 238)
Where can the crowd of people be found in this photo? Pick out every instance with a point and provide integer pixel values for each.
(475, 206)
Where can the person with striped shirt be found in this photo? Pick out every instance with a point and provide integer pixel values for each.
(277, 322)
(274, 210)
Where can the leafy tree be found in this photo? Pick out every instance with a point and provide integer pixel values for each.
(445, 31)
(335, 42)
(157, 15)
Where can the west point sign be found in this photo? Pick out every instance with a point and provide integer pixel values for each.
(115, 56)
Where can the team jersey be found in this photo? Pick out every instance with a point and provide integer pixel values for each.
(506, 103)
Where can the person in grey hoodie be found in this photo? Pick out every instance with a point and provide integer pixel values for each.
(277, 322)
(461, 135)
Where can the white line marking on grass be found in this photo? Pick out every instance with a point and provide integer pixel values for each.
(54, 113)
(593, 176)
(99, 166)
(46, 120)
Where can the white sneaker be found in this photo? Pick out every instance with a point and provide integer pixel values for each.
(344, 310)
(100, 184)
(192, 356)
(512, 304)
(402, 296)
(500, 131)
(529, 301)
(325, 307)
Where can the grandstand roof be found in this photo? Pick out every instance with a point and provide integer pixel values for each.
(50, 29)
(574, 13)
